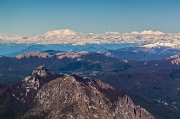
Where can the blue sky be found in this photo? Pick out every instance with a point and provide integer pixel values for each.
(22, 17)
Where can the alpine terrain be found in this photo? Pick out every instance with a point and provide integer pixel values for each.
(46, 95)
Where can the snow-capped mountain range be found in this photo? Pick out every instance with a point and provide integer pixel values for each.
(147, 38)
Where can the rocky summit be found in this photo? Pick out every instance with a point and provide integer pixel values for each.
(46, 95)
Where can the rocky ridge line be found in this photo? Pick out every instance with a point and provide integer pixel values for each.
(53, 96)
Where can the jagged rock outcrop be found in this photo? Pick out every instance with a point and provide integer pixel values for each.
(26, 89)
(53, 96)
(175, 59)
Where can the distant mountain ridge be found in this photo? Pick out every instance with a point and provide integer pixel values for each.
(156, 79)
(140, 53)
(146, 38)
(83, 62)
(13, 49)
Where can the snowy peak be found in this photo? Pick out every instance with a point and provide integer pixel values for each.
(149, 32)
(135, 32)
(112, 33)
(60, 32)
(161, 44)
(66, 36)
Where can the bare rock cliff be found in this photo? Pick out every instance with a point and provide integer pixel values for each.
(72, 97)
(46, 95)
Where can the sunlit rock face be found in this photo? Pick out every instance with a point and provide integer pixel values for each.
(47, 95)
(71, 55)
(25, 90)
(42, 72)
(73, 97)
(34, 54)
(175, 59)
